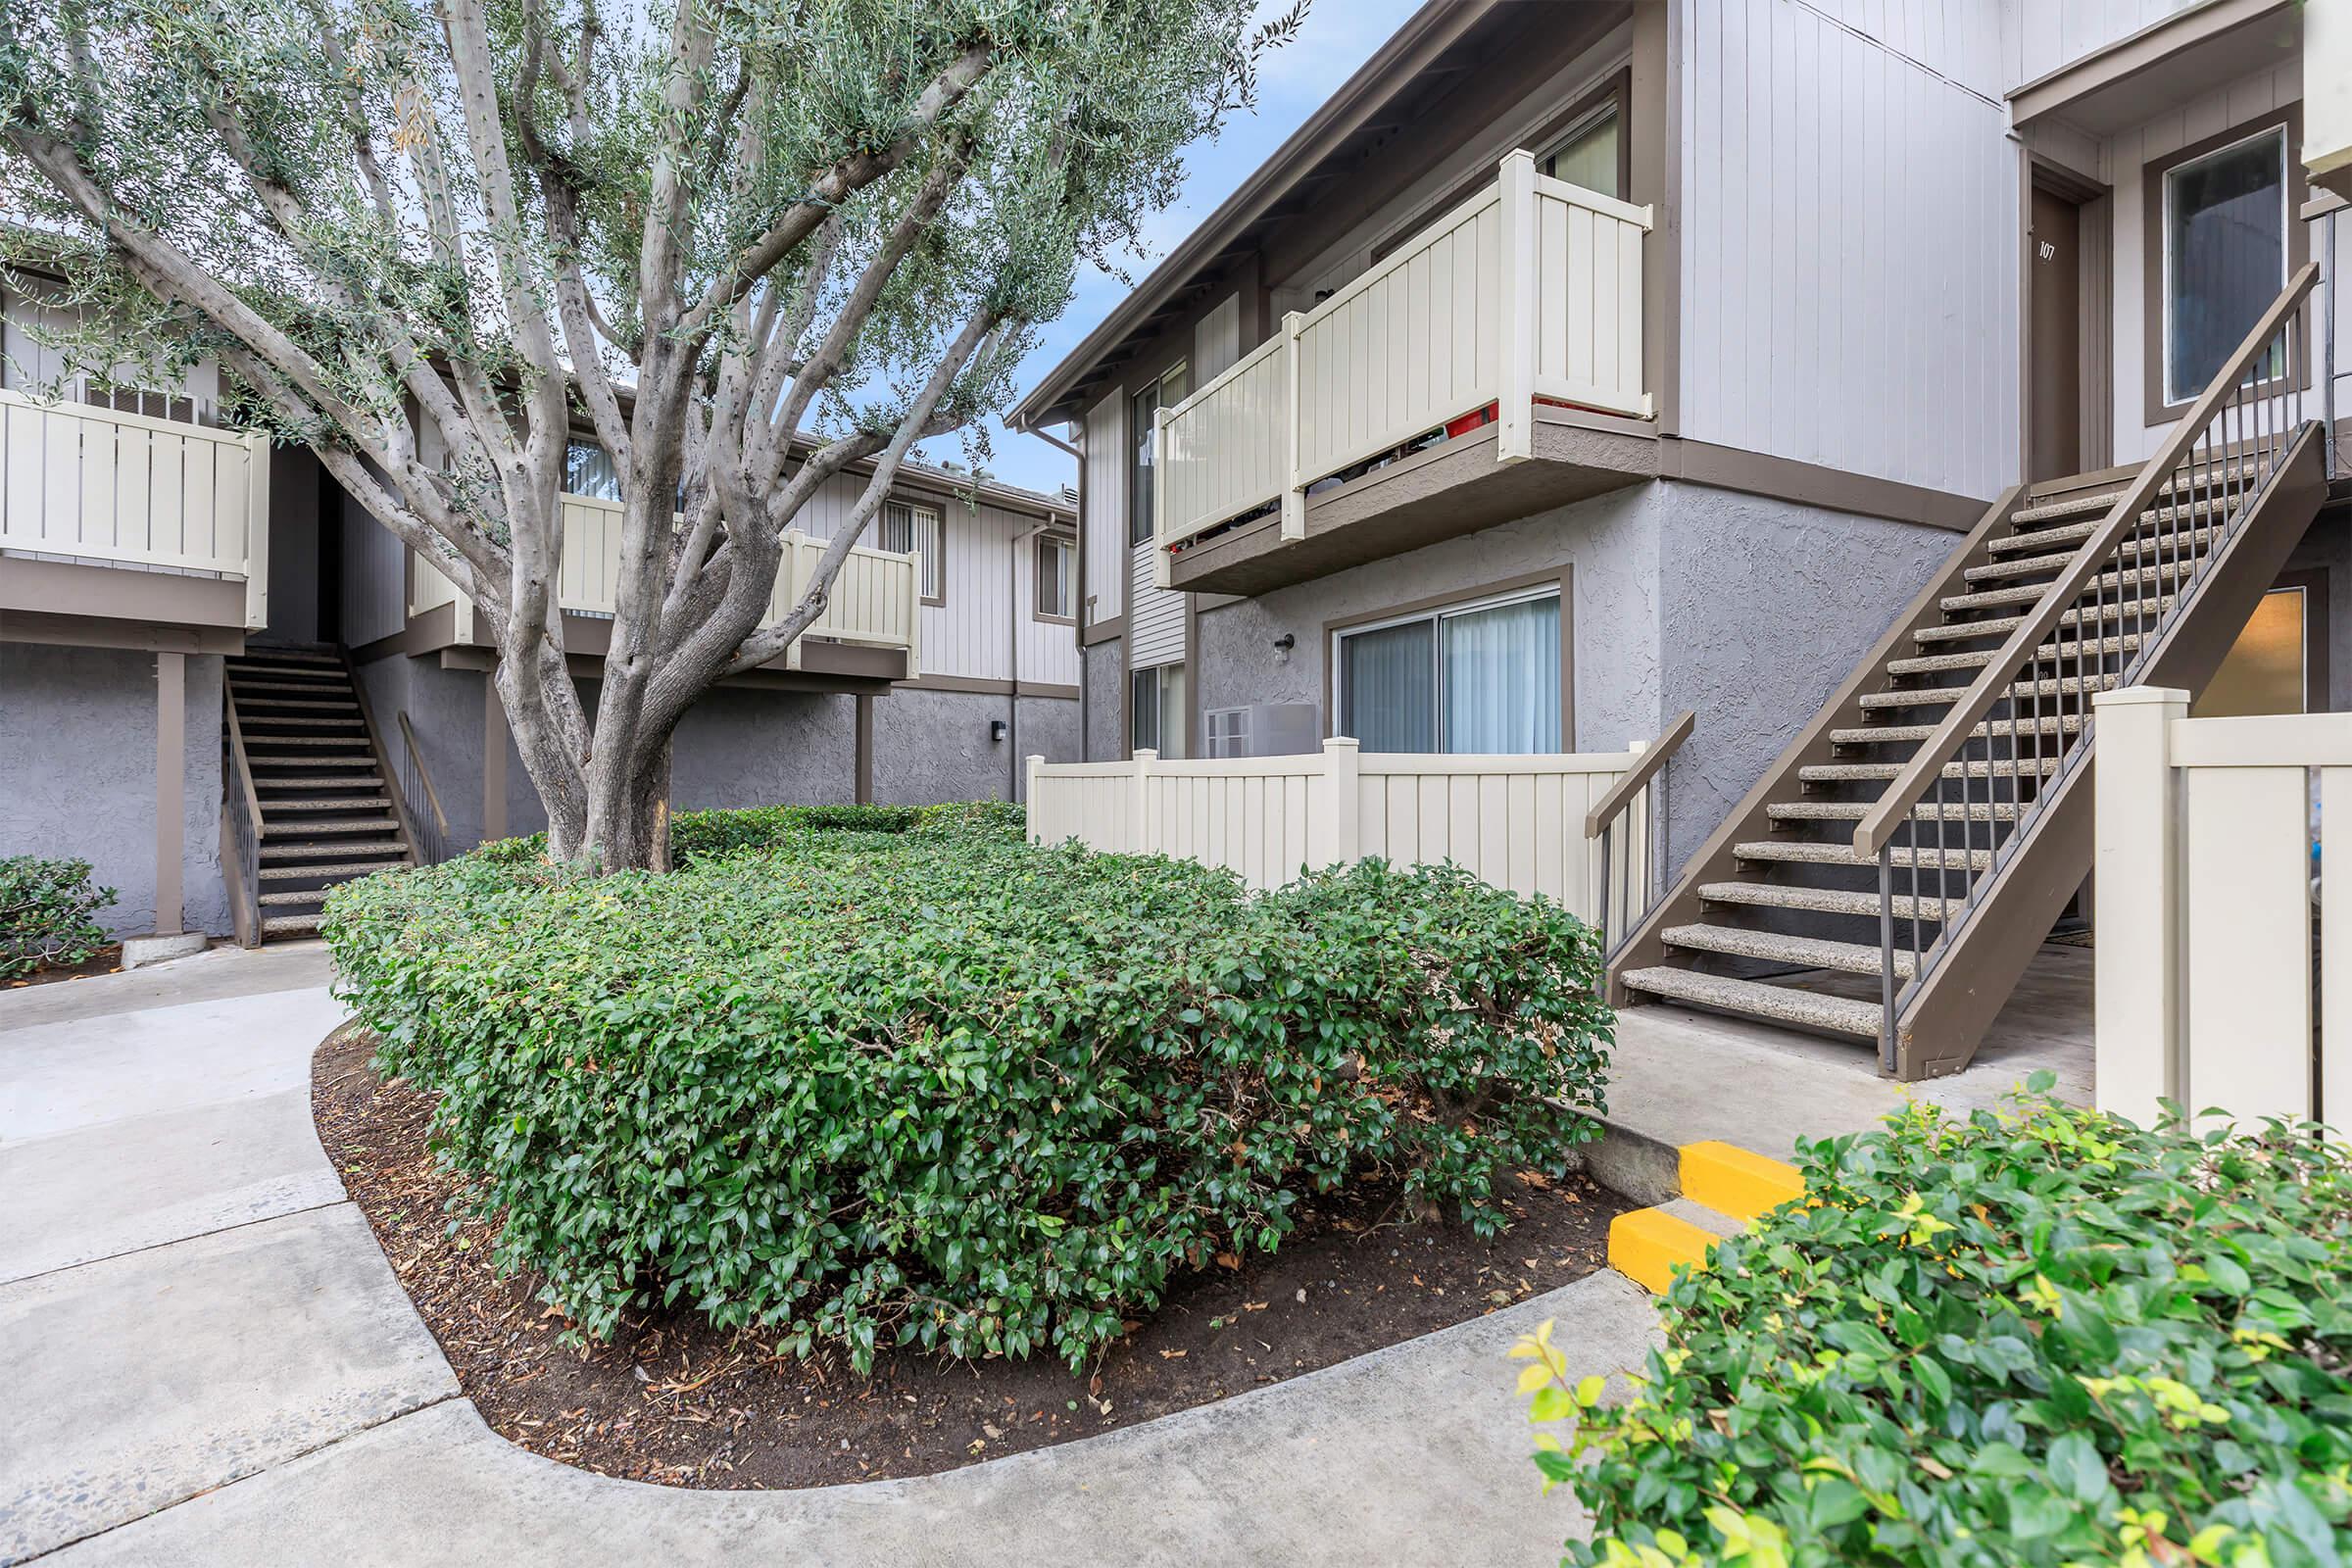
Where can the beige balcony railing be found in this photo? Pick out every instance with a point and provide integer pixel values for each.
(875, 601)
(93, 484)
(1527, 292)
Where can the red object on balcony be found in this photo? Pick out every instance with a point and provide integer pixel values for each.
(1469, 422)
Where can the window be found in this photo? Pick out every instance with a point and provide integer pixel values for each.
(1482, 678)
(588, 472)
(907, 529)
(176, 406)
(1588, 155)
(1228, 732)
(2225, 234)
(1057, 582)
(1156, 710)
(1164, 393)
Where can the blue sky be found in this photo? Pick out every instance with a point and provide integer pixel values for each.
(1339, 36)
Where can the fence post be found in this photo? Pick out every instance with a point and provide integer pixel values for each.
(1338, 826)
(1037, 770)
(257, 532)
(1294, 489)
(1159, 498)
(2136, 886)
(1516, 247)
(792, 592)
(1144, 832)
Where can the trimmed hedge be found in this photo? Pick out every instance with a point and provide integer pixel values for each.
(2045, 1338)
(955, 1091)
(48, 913)
(708, 835)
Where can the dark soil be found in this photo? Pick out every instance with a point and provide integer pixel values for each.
(106, 960)
(670, 1399)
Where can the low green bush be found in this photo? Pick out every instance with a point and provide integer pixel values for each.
(48, 913)
(708, 835)
(958, 1092)
(2038, 1337)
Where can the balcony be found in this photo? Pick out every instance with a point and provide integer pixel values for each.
(1489, 367)
(126, 517)
(871, 627)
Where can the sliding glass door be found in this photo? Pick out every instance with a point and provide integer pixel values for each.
(1480, 677)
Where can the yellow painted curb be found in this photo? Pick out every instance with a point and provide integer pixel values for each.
(1730, 1180)
(1647, 1244)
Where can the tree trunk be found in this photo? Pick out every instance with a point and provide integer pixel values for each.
(628, 816)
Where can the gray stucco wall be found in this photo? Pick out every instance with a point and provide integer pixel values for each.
(740, 747)
(1746, 610)
(1767, 606)
(933, 746)
(1050, 729)
(78, 775)
(1105, 703)
(445, 708)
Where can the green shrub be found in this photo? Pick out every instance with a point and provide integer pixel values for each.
(970, 1095)
(2044, 1336)
(46, 914)
(1007, 821)
(708, 835)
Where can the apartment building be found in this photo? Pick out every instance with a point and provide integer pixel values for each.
(229, 688)
(1873, 381)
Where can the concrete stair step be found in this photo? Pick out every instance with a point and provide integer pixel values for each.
(2154, 523)
(360, 824)
(2084, 651)
(247, 705)
(2071, 688)
(345, 742)
(2158, 546)
(1754, 999)
(283, 653)
(322, 781)
(281, 683)
(1791, 851)
(328, 851)
(1883, 772)
(274, 721)
(1820, 900)
(1966, 631)
(288, 925)
(1895, 734)
(340, 871)
(1855, 810)
(1806, 953)
(279, 900)
(346, 804)
(259, 760)
(2106, 583)
(1651, 1245)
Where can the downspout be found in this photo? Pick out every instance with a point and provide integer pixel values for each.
(1012, 642)
(1077, 587)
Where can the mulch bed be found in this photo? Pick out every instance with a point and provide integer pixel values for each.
(670, 1399)
(106, 960)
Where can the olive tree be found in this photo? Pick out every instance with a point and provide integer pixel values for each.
(750, 244)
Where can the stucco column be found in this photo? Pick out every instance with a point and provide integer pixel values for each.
(494, 761)
(171, 786)
(865, 749)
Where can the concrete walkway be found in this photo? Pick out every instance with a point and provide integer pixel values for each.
(208, 1360)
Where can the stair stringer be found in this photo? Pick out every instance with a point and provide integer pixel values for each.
(1943, 1021)
(1713, 862)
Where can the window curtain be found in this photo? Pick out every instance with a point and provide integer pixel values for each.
(1390, 687)
(1502, 678)
(588, 472)
(1588, 158)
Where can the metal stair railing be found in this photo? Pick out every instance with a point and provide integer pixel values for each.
(244, 816)
(2216, 464)
(415, 781)
(1629, 823)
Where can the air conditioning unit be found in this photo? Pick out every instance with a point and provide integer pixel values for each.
(1263, 729)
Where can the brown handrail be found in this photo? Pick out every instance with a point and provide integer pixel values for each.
(424, 776)
(1626, 788)
(1893, 808)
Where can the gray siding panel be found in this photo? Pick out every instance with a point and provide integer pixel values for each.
(1849, 273)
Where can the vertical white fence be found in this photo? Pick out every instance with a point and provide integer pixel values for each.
(100, 484)
(1517, 822)
(875, 600)
(1529, 290)
(2218, 962)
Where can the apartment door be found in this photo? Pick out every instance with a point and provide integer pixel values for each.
(2054, 395)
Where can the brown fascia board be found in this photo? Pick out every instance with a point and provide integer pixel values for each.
(1428, 31)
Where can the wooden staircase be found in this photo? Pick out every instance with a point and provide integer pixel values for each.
(318, 787)
(1890, 876)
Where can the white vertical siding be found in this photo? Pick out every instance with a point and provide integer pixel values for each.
(1849, 263)
(1217, 341)
(2041, 35)
(1156, 628)
(26, 364)
(1049, 650)
(1104, 594)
